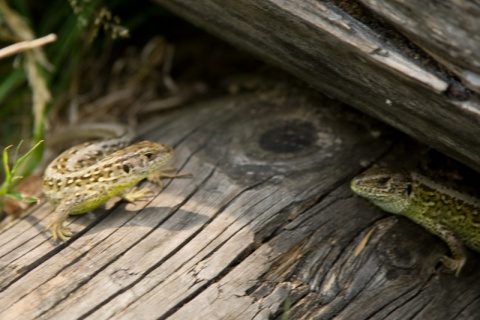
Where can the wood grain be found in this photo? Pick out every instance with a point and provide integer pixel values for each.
(448, 30)
(350, 56)
(267, 220)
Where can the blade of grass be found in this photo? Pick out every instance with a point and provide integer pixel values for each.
(25, 156)
(6, 167)
(11, 179)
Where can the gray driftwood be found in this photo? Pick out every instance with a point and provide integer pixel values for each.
(355, 55)
(266, 224)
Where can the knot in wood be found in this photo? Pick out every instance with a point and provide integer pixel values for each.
(288, 138)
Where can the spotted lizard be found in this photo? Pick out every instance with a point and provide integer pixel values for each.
(87, 175)
(446, 213)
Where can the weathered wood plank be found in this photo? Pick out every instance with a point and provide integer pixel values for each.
(256, 163)
(448, 30)
(345, 58)
(64, 272)
(267, 218)
(312, 262)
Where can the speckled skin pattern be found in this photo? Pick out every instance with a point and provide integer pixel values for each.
(447, 213)
(86, 176)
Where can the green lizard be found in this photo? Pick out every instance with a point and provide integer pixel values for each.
(86, 176)
(449, 214)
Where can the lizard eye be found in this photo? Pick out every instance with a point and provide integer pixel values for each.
(149, 155)
(126, 168)
(383, 180)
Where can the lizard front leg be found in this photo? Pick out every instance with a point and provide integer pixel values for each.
(156, 176)
(62, 211)
(136, 194)
(455, 263)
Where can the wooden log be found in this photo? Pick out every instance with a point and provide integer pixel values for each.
(448, 30)
(267, 223)
(348, 55)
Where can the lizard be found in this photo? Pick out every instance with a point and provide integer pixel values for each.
(85, 176)
(447, 213)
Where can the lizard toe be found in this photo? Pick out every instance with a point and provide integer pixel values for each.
(453, 265)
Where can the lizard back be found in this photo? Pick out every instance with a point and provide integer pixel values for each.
(443, 205)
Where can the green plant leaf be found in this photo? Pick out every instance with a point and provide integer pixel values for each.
(15, 195)
(30, 200)
(22, 158)
(8, 173)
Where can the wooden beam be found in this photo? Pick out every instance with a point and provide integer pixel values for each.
(358, 63)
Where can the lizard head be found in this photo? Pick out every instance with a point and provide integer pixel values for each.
(142, 158)
(388, 189)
